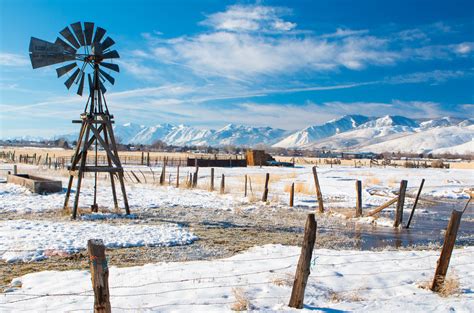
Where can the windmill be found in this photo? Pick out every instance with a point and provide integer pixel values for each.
(86, 53)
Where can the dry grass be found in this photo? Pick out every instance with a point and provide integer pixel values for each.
(352, 296)
(283, 280)
(242, 302)
(372, 181)
(301, 188)
(450, 287)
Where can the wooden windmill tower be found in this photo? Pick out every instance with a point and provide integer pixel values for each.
(96, 131)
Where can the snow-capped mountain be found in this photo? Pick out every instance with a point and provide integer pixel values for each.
(311, 134)
(348, 133)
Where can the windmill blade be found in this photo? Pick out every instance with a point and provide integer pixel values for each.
(107, 76)
(40, 46)
(111, 55)
(65, 45)
(88, 31)
(113, 67)
(102, 87)
(63, 70)
(81, 85)
(99, 34)
(77, 28)
(41, 60)
(66, 33)
(107, 43)
(71, 79)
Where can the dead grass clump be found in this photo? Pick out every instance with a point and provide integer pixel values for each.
(301, 188)
(450, 287)
(283, 280)
(372, 181)
(352, 296)
(242, 303)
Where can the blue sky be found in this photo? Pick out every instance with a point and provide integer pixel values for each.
(286, 64)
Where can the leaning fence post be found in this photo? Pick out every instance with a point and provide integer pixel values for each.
(100, 275)
(359, 198)
(400, 204)
(447, 250)
(292, 194)
(303, 268)
(318, 190)
(416, 202)
(265, 190)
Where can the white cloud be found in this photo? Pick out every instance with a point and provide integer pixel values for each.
(250, 18)
(433, 77)
(345, 32)
(465, 47)
(13, 60)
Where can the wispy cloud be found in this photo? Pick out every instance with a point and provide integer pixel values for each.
(13, 60)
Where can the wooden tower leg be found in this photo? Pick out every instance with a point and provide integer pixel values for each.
(73, 166)
(109, 162)
(110, 131)
(81, 171)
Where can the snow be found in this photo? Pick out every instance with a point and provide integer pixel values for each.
(347, 280)
(33, 240)
(337, 184)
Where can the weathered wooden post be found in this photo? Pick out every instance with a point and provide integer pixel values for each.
(359, 198)
(177, 176)
(223, 184)
(245, 186)
(292, 194)
(195, 176)
(318, 191)
(212, 180)
(303, 268)
(416, 202)
(400, 204)
(15, 169)
(99, 275)
(448, 245)
(148, 159)
(143, 158)
(265, 190)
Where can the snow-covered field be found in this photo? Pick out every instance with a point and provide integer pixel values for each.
(33, 240)
(337, 184)
(340, 281)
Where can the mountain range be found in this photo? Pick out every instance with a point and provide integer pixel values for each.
(347, 133)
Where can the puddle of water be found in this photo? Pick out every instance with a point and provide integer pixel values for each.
(427, 227)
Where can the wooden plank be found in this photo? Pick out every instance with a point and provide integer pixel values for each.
(447, 250)
(318, 191)
(303, 268)
(383, 206)
(99, 275)
(415, 203)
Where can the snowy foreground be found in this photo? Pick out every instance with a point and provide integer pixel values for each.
(33, 240)
(340, 281)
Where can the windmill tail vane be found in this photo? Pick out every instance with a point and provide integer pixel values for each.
(83, 47)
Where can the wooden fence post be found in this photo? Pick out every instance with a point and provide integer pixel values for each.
(400, 204)
(177, 177)
(292, 194)
(318, 191)
(303, 268)
(143, 157)
(245, 186)
(416, 202)
(100, 275)
(265, 190)
(15, 169)
(448, 245)
(148, 159)
(212, 180)
(195, 177)
(359, 198)
(223, 184)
